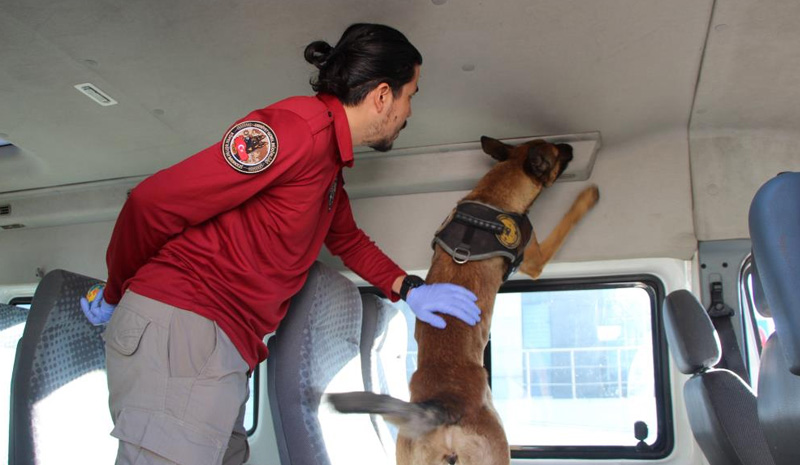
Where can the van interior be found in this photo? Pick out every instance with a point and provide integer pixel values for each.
(678, 111)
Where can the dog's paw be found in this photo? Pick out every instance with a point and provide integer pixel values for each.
(588, 198)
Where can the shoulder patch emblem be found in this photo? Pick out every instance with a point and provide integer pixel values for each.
(250, 147)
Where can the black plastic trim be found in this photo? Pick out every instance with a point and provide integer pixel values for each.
(21, 301)
(255, 394)
(664, 443)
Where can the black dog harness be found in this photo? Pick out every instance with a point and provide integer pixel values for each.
(476, 231)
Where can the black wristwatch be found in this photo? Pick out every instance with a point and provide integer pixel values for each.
(410, 282)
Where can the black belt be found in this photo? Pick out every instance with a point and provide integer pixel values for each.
(476, 231)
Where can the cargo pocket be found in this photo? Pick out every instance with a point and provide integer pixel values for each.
(125, 331)
(168, 437)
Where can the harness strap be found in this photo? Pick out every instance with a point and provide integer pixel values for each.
(494, 227)
(476, 231)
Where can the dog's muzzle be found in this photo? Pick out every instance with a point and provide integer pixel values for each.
(476, 231)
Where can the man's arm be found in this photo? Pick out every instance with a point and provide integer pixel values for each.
(196, 190)
(359, 252)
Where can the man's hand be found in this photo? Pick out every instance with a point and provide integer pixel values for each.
(448, 299)
(98, 311)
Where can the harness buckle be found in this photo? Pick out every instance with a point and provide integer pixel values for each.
(460, 255)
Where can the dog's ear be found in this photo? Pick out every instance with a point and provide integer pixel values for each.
(412, 420)
(538, 164)
(495, 149)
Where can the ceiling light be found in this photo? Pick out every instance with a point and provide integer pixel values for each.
(94, 93)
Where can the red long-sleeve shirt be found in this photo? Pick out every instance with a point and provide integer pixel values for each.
(234, 246)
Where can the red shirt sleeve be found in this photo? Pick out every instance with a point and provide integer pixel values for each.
(195, 190)
(359, 252)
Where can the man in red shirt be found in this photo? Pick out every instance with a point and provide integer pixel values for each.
(206, 255)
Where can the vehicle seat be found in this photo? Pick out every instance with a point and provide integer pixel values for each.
(316, 351)
(721, 406)
(384, 350)
(59, 394)
(775, 234)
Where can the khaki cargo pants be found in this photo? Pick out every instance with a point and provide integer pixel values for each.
(177, 387)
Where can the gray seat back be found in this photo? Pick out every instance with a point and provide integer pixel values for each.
(59, 394)
(721, 407)
(315, 351)
(775, 234)
(385, 345)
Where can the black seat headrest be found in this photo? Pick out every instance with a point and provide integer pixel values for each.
(692, 338)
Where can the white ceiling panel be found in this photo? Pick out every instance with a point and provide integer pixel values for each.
(182, 71)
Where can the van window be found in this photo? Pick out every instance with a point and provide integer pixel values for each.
(574, 365)
(761, 326)
(11, 333)
(251, 407)
(12, 324)
(757, 327)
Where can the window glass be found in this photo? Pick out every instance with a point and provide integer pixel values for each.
(11, 334)
(574, 367)
(12, 323)
(251, 406)
(757, 327)
(765, 326)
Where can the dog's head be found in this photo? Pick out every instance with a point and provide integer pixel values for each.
(542, 161)
(430, 433)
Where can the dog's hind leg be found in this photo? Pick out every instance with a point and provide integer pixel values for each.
(538, 254)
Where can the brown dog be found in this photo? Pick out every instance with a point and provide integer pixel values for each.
(451, 419)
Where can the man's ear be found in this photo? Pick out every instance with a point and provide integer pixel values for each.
(381, 96)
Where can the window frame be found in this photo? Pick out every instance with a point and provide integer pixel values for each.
(746, 302)
(256, 376)
(254, 394)
(749, 318)
(16, 301)
(665, 441)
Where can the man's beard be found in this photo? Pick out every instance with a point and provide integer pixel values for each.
(385, 144)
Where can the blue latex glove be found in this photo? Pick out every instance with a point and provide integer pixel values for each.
(444, 298)
(98, 311)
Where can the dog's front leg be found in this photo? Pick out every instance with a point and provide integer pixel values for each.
(538, 254)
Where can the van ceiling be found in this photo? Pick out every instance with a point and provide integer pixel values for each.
(183, 71)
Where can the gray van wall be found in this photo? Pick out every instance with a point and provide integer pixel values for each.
(79, 248)
(645, 210)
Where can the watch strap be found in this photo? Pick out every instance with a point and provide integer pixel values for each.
(410, 282)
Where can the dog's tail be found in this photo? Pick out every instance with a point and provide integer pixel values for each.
(412, 419)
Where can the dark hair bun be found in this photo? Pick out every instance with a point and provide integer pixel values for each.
(364, 57)
(318, 52)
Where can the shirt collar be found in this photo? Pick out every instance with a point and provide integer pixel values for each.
(341, 126)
